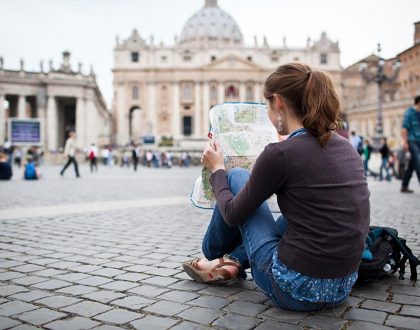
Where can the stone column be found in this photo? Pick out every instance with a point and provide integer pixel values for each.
(122, 116)
(22, 107)
(176, 121)
(42, 115)
(257, 92)
(2, 120)
(197, 110)
(242, 92)
(151, 111)
(221, 93)
(206, 108)
(91, 127)
(52, 123)
(81, 124)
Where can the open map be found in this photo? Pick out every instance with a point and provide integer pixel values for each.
(243, 130)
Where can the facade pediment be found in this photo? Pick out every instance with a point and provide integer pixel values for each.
(232, 63)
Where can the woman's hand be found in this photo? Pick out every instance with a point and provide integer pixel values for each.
(212, 157)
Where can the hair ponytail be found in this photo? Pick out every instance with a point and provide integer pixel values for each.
(311, 94)
(321, 105)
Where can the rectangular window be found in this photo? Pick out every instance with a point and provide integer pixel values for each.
(163, 59)
(186, 125)
(187, 58)
(134, 56)
(324, 59)
(187, 92)
(249, 58)
(213, 58)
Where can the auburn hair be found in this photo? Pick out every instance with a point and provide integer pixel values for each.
(311, 94)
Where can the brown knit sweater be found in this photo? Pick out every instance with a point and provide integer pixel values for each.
(323, 194)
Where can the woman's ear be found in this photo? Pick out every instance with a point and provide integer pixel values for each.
(278, 102)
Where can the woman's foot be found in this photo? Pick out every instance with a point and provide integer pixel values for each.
(218, 271)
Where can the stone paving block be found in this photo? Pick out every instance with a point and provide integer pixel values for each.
(49, 272)
(252, 296)
(153, 322)
(371, 294)
(246, 308)
(160, 280)
(117, 264)
(15, 307)
(233, 321)
(381, 306)
(275, 325)
(2, 300)
(132, 277)
(108, 327)
(31, 295)
(119, 285)
(71, 277)
(7, 290)
(25, 327)
(185, 325)
(162, 271)
(360, 314)
(9, 275)
(94, 280)
(133, 302)
(10, 263)
(225, 291)
(87, 308)
(40, 316)
(28, 280)
(148, 290)
(405, 299)
(108, 272)
(283, 315)
(322, 322)
(85, 268)
(58, 301)
(28, 268)
(104, 296)
(72, 324)
(64, 264)
(412, 291)
(96, 261)
(179, 296)
(200, 315)
(188, 285)
(6, 323)
(44, 261)
(361, 325)
(77, 290)
(210, 302)
(167, 308)
(410, 311)
(403, 322)
(51, 285)
(118, 316)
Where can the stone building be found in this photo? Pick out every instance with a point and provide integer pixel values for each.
(361, 97)
(62, 98)
(167, 91)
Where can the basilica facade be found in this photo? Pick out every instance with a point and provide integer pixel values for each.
(162, 90)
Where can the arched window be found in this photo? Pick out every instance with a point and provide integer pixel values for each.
(213, 94)
(231, 91)
(135, 93)
(187, 91)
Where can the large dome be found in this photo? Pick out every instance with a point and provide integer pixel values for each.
(211, 26)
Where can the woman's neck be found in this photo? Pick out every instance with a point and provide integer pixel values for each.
(294, 125)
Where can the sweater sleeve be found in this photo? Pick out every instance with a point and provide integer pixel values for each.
(266, 178)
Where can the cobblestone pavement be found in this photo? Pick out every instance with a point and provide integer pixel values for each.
(120, 267)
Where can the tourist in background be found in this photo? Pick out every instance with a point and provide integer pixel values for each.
(385, 153)
(357, 142)
(5, 168)
(70, 153)
(31, 171)
(93, 157)
(135, 156)
(367, 152)
(411, 142)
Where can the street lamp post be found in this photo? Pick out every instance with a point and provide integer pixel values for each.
(378, 76)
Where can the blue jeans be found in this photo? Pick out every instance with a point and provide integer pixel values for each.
(384, 165)
(253, 244)
(414, 164)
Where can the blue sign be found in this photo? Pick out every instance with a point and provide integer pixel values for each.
(25, 131)
(149, 139)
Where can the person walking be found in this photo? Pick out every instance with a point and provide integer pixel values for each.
(411, 142)
(70, 153)
(308, 258)
(357, 142)
(93, 157)
(135, 156)
(367, 152)
(385, 153)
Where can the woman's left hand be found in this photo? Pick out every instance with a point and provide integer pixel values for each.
(212, 157)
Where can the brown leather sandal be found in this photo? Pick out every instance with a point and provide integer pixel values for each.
(217, 275)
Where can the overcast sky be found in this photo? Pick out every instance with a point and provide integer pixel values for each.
(38, 30)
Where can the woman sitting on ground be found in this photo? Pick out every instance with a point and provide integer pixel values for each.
(308, 258)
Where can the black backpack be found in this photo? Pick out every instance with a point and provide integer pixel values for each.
(385, 253)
